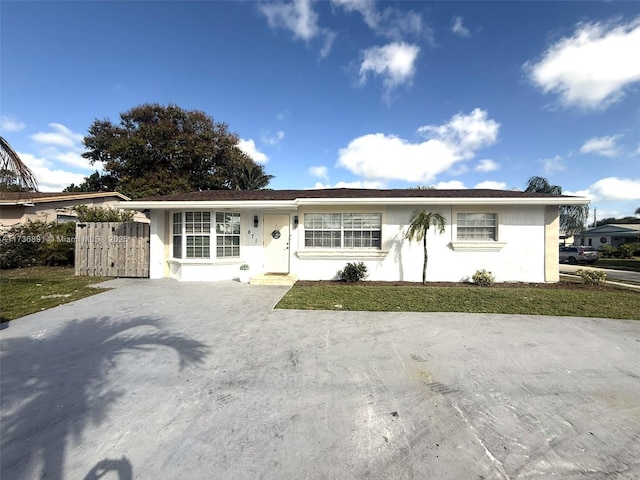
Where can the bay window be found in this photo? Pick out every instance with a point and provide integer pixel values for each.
(192, 235)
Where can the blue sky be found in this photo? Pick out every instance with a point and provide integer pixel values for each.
(345, 93)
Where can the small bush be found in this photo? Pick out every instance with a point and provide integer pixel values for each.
(627, 250)
(607, 251)
(483, 278)
(353, 272)
(592, 277)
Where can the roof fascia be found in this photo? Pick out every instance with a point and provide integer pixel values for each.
(444, 201)
(172, 205)
(288, 204)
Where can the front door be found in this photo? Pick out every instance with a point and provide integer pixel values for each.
(276, 243)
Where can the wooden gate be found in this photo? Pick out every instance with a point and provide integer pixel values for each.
(112, 249)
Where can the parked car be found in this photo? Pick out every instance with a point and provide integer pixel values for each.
(578, 254)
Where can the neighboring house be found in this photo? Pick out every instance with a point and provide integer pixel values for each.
(312, 234)
(614, 234)
(18, 207)
(565, 238)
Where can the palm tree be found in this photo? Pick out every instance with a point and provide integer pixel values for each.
(419, 224)
(251, 176)
(572, 217)
(15, 174)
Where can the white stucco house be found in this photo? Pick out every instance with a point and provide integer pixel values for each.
(610, 234)
(312, 234)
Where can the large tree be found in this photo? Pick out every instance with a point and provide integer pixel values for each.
(419, 224)
(157, 150)
(572, 217)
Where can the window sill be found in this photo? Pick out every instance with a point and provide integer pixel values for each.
(477, 246)
(341, 254)
(205, 261)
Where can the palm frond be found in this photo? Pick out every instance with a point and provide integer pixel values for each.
(11, 162)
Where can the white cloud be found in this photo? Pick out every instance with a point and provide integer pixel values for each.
(458, 28)
(249, 147)
(378, 156)
(492, 185)
(355, 184)
(450, 185)
(394, 63)
(50, 178)
(486, 165)
(614, 188)
(592, 68)
(273, 140)
(300, 18)
(553, 165)
(62, 144)
(319, 172)
(10, 124)
(605, 146)
(390, 22)
(61, 136)
(582, 193)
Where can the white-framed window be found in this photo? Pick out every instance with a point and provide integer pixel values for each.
(477, 226)
(192, 236)
(227, 235)
(343, 230)
(197, 227)
(177, 235)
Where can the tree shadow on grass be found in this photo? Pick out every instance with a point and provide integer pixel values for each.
(52, 388)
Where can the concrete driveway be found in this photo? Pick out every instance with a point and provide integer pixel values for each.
(167, 380)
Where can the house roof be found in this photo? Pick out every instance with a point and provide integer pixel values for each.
(614, 228)
(22, 198)
(352, 196)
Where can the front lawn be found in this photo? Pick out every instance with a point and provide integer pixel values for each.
(563, 299)
(631, 264)
(29, 290)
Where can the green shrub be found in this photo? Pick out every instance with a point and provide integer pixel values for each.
(38, 243)
(592, 277)
(483, 278)
(353, 272)
(628, 250)
(608, 251)
(102, 214)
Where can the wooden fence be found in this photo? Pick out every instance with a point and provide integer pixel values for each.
(110, 249)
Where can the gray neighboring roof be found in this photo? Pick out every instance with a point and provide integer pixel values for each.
(21, 198)
(614, 229)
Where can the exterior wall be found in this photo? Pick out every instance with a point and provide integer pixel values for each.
(49, 211)
(526, 249)
(551, 261)
(157, 245)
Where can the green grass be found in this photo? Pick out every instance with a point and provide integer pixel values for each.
(29, 290)
(631, 264)
(564, 299)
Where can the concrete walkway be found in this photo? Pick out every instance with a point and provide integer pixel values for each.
(168, 380)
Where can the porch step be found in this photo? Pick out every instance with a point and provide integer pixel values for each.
(274, 279)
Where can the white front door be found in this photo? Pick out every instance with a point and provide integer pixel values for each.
(276, 243)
